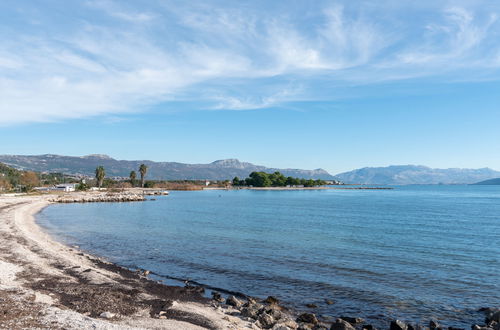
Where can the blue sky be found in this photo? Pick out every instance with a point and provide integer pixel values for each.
(304, 84)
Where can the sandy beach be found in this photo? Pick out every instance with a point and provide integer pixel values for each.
(45, 284)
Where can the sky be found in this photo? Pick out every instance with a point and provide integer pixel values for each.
(291, 84)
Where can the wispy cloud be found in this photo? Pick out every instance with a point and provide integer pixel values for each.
(114, 59)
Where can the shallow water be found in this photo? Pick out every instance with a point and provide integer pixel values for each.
(413, 253)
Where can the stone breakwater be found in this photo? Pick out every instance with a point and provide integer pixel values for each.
(99, 198)
(268, 314)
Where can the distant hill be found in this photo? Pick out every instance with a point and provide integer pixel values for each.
(412, 174)
(489, 182)
(218, 170)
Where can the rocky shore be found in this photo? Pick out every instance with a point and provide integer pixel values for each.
(99, 197)
(47, 285)
(268, 314)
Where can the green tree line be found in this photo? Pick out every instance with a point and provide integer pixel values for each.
(276, 179)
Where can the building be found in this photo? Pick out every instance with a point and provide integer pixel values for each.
(67, 187)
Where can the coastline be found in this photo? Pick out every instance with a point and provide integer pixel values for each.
(45, 284)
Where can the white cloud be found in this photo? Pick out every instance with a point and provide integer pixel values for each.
(97, 67)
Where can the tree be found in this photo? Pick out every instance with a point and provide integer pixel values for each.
(100, 173)
(260, 179)
(143, 169)
(236, 181)
(4, 184)
(133, 176)
(29, 180)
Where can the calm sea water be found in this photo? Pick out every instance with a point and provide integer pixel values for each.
(411, 253)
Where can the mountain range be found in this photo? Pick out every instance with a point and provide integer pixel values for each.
(85, 166)
(414, 174)
(229, 168)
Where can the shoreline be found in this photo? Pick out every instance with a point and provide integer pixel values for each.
(52, 285)
(46, 284)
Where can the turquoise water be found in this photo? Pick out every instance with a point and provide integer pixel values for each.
(412, 253)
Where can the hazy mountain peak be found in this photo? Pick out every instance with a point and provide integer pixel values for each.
(97, 156)
(416, 174)
(219, 170)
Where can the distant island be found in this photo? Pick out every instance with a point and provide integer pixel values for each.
(490, 182)
(276, 179)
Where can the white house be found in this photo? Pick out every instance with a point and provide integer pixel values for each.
(67, 187)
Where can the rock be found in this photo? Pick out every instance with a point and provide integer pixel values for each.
(271, 300)
(217, 297)
(352, 320)
(329, 302)
(107, 315)
(305, 326)
(320, 327)
(493, 316)
(311, 305)
(433, 324)
(368, 327)
(307, 318)
(452, 328)
(233, 301)
(341, 324)
(266, 321)
(163, 317)
(251, 311)
(398, 325)
(274, 311)
(280, 326)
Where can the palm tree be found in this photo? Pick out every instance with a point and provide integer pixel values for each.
(143, 169)
(133, 176)
(100, 173)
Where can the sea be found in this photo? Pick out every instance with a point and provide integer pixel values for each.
(413, 253)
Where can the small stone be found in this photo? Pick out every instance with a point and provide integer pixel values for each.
(266, 320)
(162, 317)
(311, 305)
(398, 325)
(341, 325)
(107, 315)
(271, 300)
(217, 296)
(493, 316)
(329, 302)
(233, 301)
(433, 324)
(307, 318)
(353, 320)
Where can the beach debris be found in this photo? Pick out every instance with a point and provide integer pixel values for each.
(233, 301)
(398, 325)
(107, 315)
(307, 318)
(341, 324)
